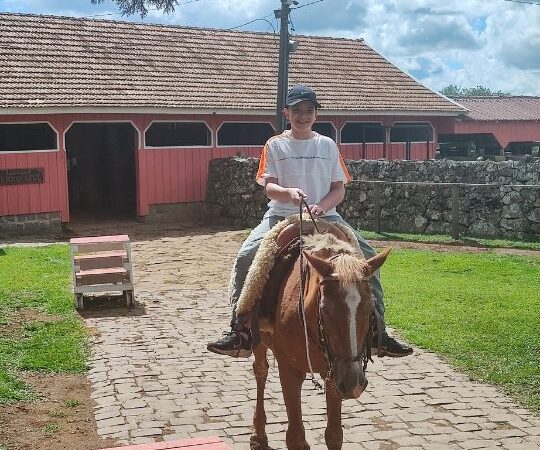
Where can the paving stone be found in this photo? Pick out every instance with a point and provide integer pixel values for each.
(185, 430)
(477, 443)
(104, 423)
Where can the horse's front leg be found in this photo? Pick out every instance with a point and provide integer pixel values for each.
(333, 435)
(291, 385)
(259, 440)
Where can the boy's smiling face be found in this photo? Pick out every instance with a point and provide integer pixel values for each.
(301, 116)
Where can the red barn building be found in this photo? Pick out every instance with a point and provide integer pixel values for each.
(496, 126)
(102, 117)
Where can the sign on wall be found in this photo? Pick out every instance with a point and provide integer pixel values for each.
(21, 176)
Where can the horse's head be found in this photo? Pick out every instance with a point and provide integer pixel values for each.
(345, 304)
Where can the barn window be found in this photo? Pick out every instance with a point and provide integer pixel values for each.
(362, 133)
(244, 133)
(23, 137)
(411, 132)
(178, 134)
(326, 129)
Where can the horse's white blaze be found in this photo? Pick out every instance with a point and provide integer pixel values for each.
(352, 300)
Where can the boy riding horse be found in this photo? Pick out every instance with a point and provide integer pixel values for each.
(298, 164)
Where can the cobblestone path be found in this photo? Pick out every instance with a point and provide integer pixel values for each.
(154, 380)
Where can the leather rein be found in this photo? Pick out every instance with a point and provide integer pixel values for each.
(322, 342)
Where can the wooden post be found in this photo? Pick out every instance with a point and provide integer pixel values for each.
(386, 141)
(455, 212)
(377, 206)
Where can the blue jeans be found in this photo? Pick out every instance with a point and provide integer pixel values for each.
(251, 245)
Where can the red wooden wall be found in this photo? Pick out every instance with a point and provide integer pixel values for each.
(164, 175)
(49, 196)
(504, 132)
(178, 175)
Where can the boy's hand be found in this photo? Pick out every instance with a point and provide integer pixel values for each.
(316, 210)
(297, 194)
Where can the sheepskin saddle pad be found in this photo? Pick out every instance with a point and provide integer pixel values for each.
(277, 242)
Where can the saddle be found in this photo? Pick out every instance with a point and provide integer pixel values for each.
(288, 250)
(292, 232)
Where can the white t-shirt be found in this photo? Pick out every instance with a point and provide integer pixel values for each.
(309, 164)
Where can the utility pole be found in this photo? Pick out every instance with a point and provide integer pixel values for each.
(285, 47)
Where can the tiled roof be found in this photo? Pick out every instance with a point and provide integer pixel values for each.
(48, 61)
(501, 108)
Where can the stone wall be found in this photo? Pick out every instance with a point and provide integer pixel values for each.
(472, 198)
(30, 223)
(447, 171)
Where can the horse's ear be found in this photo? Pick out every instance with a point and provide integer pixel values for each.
(377, 261)
(323, 267)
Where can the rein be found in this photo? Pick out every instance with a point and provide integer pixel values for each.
(303, 202)
(323, 342)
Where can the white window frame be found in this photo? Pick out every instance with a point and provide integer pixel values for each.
(17, 152)
(218, 145)
(102, 121)
(333, 126)
(150, 147)
(360, 143)
(413, 123)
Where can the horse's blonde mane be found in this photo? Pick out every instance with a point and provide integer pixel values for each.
(349, 266)
(318, 243)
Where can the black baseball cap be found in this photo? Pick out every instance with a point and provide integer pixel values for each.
(300, 93)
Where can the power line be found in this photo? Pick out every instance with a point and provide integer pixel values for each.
(188, 2)
(308, 4)
(523, 1)
(263, 18)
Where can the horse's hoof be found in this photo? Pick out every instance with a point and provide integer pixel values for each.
(257, 443)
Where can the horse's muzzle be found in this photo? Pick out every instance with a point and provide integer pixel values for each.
(351, 381)
(359, 389)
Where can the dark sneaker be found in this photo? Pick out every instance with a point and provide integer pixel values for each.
(233, 344)
(390, 347)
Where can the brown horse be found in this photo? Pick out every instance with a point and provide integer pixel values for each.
(337, 303)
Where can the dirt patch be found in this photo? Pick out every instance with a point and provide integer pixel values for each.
(18, 319)
(199, 260)
(62, 418)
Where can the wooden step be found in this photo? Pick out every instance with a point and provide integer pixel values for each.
(99, 243)
(209, 443)
(101, 276)
(101, 260)
(100, 239)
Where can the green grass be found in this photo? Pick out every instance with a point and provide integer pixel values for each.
(39, 330)
(50, 429)
(37, 277)
(446, 239)
(481, 311)
(71, 403)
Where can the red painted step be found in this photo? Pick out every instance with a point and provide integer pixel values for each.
(208, 443)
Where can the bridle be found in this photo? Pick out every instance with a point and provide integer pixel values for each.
(322, 341)
(330, 358)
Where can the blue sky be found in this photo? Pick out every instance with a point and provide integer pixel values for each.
(493, 43)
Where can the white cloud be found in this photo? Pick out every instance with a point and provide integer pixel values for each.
(515, 38)
(442, 45)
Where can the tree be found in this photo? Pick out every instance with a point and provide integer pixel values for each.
(129, 7)
(453, 90)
